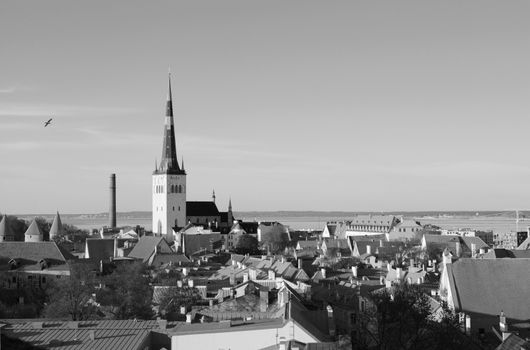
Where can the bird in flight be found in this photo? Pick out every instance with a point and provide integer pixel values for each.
(48, 122)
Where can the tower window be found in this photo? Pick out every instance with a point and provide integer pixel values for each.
(173, 208)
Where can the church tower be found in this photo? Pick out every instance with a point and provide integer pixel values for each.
(169, 182)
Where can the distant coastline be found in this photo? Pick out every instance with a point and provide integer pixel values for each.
(316, 220)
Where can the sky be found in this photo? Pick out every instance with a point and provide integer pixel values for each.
(281, 105)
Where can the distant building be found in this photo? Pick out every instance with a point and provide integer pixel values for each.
(509, 240)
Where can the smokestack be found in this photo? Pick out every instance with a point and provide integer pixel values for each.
(112, 206)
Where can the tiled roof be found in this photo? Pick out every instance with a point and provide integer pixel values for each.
(206, 208)
(479, 243)
(145, 247)
(514, 342)
(503, 286)
(34, 251)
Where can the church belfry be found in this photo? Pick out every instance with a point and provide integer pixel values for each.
(169, 182)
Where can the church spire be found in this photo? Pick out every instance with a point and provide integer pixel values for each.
(168, 162)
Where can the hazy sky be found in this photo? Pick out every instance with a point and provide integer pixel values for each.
(283, 105)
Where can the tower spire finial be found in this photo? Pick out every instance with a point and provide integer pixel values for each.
(213, 196)
(230, 203)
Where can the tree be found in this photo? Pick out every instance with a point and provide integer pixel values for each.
(275, 241)
(72, 296)
(247, 244)
(400, 318)
(175, 297)
(127, 293)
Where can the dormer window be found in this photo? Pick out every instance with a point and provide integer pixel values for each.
(12, 264)
(43, 264)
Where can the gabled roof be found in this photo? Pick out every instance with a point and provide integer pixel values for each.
(525, 244)
(503, 286)
(145, 247)
(99, 249)
(5, 229)
(34, 251)
(33, 229)
(205, 208)
(331, 229)
(477, 241)
(57, 226)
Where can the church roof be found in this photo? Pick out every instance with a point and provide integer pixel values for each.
(169, 163)
(5, 230)
(57, 226)
(206, 208)
(33, 229)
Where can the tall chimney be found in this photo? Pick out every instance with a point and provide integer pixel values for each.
(112, 206)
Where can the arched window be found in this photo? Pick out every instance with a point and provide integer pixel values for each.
(159, 226)
(180, 188)
(172, 188)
